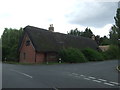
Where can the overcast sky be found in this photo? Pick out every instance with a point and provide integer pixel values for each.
(63, 14)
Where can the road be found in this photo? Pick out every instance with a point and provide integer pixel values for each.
(83, 75)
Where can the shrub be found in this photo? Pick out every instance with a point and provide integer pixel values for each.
(112, 53)
(104, 55)
(72, 55)
(92, 55)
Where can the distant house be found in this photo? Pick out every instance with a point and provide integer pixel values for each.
(104, 47)
(40, 45)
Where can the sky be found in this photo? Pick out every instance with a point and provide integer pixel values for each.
(98, 15)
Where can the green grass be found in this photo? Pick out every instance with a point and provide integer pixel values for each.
(12, 62)
(52, 63)
(44, 63)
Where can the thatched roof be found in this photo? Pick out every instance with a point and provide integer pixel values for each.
(46, 41)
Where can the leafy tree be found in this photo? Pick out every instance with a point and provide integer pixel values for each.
(104, 41)
(10, 40)
(87, 33)
(97, 39)
(117, 22)
(115, 29)
(113, 35)
(112, 53)
(75, 32)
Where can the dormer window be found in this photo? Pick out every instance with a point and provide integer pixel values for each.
(27, 42)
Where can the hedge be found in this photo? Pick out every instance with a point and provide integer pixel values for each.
(112, 53)
(72, 55)
(92, 55)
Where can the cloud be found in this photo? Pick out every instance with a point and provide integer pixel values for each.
(95, 14)
(102, 31)
(63, 14)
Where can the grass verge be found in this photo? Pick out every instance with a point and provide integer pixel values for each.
(44, 63)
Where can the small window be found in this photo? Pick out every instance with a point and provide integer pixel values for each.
(24, 55)
(27, 42)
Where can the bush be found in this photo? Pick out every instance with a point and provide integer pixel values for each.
(72, 55)
(92, 55)
(104, 55)
(112, 53)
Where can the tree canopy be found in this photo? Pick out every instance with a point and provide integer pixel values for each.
(87, 33)
(115, 29)
(10, 40)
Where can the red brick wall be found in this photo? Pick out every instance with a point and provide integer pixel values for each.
(40, 57)
(51, 57)
(28, 50)
(31, 56)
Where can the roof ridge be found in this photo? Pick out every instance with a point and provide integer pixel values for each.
(29, 26)
(45, 40)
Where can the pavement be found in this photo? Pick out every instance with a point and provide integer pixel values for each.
(101, 74)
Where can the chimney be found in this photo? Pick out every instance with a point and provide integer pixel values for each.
(51, 28)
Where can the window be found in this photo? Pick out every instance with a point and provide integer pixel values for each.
(24, 55)
(27, 42)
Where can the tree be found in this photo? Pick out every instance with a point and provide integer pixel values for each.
(74, 32)
(104, 41)
(114, 50)
(115, 29)
(87, 33)
(113, 35)
(117, 22)
(97, 39)
(10, 40)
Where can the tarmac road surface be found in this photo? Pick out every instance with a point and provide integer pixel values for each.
(101, 74)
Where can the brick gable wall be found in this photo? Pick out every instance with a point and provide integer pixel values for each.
(40, 57)
(27, 53)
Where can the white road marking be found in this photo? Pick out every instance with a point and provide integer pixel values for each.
(92, 77)
(55, 88)
(82, 75)
(96, 81)
(109, 84)
(87, 78)
(21, 73)
(102, 80)
(115, 83)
